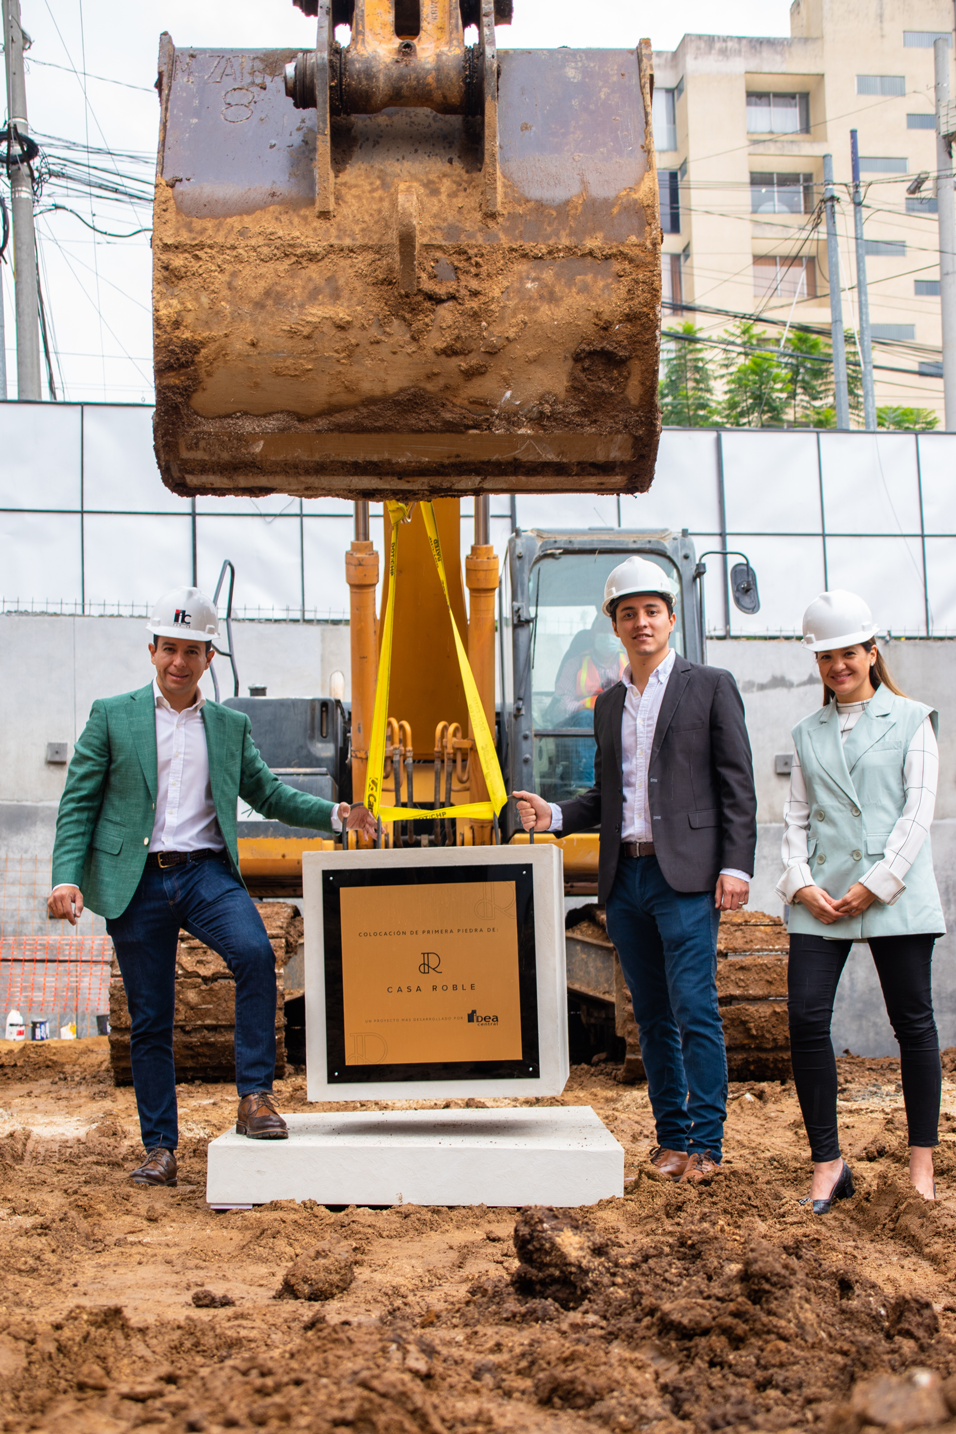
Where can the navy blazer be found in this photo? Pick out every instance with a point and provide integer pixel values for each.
(700, 781)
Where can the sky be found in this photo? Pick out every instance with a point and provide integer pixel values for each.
(90, 75)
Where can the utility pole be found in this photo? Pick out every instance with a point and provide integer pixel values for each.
(947, 228)
(21, 195)
(837, 341)
(3, 332)
(862, 292)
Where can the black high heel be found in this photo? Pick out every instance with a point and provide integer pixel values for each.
(842, 1190)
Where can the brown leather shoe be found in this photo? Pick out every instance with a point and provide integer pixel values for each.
(159, 1168)
(669, 1162)
(700, 1168)
(259, 1119)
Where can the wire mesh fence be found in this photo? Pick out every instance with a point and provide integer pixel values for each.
(63, 607)
(50, 971)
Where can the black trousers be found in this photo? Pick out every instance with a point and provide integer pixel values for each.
(904, 966)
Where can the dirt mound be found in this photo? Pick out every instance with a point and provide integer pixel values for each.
(83, 1057)
(325, 1273)
(720, 1327)
(673, 1309)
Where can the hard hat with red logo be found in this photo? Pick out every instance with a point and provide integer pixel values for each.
(637, 575)
(184, 612)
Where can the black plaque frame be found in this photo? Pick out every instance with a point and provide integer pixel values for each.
(526, 1068)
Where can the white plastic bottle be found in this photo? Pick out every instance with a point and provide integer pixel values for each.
(16, 1031)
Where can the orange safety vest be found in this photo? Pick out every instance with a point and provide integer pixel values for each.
(589, 685)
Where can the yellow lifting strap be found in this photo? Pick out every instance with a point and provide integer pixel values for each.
(484, 742)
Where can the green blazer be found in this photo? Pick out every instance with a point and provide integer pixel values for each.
(106, 815)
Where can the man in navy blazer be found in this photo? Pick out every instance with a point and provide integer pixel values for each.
(674, 796)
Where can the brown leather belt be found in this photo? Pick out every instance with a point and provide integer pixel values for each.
(164, 859)
(637, 848)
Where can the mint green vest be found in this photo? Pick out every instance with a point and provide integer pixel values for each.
(856, 795)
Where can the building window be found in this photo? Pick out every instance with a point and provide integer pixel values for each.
(785, 278)
(925, 39)
(920, 121)
(926, 288)
(894, 333)
(927, 369)
(781, 193)
(778, 114)
(885, 248)
(664, 119)
(883, 164)
(922, 204)
(668, 183)
(672, 289)
(881, 84)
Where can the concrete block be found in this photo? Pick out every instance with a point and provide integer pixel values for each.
(407, 1036)
(560, 1155)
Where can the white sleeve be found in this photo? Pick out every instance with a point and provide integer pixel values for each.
(557, 818)
(335, 819)
(920, 778)
(795, 848)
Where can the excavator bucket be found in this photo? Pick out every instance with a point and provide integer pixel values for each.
(406, 265)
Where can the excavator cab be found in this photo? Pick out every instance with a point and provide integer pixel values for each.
(558, 651)
(407, 265)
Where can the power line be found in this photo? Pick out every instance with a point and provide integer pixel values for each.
(106, 79)
(65, 209)
(734, 344)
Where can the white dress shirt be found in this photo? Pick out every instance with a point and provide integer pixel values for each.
(886, 878)
(185, 815)
(638, 726)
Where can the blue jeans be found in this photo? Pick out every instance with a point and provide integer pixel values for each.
(207, 900)
(667, 942)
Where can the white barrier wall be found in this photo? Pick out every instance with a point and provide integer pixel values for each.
(86, 524)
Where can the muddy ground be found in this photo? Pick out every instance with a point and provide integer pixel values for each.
(671, 1309)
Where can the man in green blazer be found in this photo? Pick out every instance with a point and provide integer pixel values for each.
(146, 836)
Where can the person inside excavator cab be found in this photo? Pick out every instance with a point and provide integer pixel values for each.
(594, 661)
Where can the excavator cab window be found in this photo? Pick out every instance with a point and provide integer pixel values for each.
(575, 656)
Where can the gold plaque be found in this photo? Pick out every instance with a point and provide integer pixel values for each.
(430, 973)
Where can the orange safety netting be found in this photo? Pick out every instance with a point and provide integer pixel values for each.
(49, 971)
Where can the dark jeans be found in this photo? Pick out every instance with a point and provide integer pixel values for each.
(205, 899)
(667, 942)
(904, 966)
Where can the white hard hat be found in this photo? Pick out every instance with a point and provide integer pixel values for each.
(837, 619)
(184, 612)
(637, 575)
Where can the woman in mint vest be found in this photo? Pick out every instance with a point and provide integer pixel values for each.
(859, 867)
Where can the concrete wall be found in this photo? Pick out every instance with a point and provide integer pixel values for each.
(779, 684)
(55, 666)
(859, 1020)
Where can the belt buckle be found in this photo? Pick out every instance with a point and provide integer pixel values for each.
(160, 863)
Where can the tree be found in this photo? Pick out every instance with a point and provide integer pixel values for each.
(756, 383)
(808, 363)
(918, 419)
(687, 388)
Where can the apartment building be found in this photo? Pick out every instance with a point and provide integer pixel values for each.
(741, 128)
